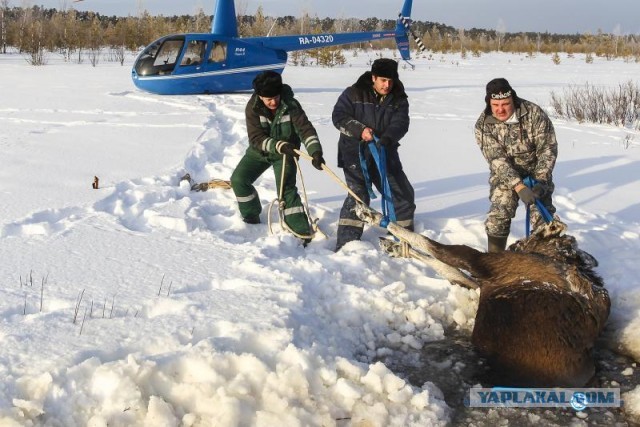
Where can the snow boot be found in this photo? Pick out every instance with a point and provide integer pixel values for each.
(252, 220)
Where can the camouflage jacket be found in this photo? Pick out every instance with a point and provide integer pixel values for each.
(289, 123)
(514, 151)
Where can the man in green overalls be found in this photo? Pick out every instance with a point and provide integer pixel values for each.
(276, 125)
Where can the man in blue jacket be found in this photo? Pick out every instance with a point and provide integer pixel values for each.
(375, 105)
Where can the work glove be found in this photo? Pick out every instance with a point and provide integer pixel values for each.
(385, 141)
(540, 189)
(317, 160)
(526, 195)
(286, 148)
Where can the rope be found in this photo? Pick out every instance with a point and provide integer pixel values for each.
(335, 177)
(405, 249)
(332, 175)
(313, 224)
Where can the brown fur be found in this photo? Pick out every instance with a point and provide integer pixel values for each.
(541, 304)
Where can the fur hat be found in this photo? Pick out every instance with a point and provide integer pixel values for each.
(385, 67)
(500, 88)
(268, 84)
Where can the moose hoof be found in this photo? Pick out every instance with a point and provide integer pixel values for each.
(368, 215)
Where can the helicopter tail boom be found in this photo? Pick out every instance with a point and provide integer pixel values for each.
(314, 41)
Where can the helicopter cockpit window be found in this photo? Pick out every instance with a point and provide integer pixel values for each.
(169, 52)
(218, 52)
(160, 57)
(194, 52)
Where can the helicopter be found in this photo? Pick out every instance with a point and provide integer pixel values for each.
(223, 62)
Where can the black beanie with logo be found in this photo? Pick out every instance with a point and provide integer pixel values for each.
(499, 88)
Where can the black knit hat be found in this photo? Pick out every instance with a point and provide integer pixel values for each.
(500, 89)
(385, 67)
(268, 84)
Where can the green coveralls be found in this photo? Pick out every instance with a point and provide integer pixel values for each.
(265, 129)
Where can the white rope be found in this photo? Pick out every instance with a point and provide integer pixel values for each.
(313, 224)
(332, 175)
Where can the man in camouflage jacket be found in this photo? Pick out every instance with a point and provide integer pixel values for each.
(517, 139)
(276, 125)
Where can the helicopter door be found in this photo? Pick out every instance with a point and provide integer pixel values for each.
(194, 53)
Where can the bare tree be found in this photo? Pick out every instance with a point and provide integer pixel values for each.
(32, 36)
(616, 34)
(202, 22)
(95, 41)
(4, 6)
(501, 29)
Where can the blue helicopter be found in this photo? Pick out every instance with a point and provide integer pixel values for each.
(222, 62)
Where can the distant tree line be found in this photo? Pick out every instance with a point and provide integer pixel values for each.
(80, 35)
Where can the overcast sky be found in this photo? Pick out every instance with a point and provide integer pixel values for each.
(556, 16)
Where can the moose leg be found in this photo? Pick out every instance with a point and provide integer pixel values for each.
(452, 274)
(418, 249)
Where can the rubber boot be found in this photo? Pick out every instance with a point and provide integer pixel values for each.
(252, 220)
(496, 243)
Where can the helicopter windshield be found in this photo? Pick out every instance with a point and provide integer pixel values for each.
(159, 57)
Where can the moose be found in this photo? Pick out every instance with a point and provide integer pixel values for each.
(541, 306)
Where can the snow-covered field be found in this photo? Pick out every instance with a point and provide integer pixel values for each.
(142, 303)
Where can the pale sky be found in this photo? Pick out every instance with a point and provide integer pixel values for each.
(556, 16)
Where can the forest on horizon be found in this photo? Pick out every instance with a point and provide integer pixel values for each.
(37, 30)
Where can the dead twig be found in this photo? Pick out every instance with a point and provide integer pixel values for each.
(83, 317)
(161, 281)
(44, 280)
(79, 300)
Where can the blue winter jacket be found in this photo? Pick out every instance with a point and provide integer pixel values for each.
(359, 107)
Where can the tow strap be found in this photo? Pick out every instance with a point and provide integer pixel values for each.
(530, 182)
(379, 154)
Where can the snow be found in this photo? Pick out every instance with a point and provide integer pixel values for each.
(143, 303)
